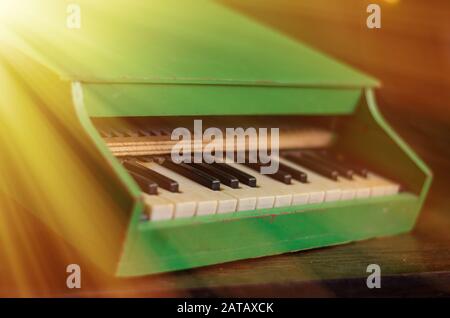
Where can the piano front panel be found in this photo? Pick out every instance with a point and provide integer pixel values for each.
(276, 214)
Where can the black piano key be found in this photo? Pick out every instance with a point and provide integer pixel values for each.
(280, 175)
(105, 133)
(342, 170)
(359, 170)
(150, 158)
(130, 132)
(193, 174)
(143, 132)
(117, 133)
(165, 132)
(155, 132)
(295, 173)
(155, 159)
(348, 162)
(243, 177)
(334, 161)
(163, 181)
(224, 177)
(146, 185)
(313, 165)
(160, 132)
(120, 132)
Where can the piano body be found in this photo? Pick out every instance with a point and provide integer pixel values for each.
(132, 77)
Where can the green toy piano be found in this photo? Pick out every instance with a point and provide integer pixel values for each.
(134, 73)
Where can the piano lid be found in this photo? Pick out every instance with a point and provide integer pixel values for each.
(173, 42)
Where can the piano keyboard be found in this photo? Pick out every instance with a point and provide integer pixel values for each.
(174, 191)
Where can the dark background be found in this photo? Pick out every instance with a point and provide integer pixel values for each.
(410, 53)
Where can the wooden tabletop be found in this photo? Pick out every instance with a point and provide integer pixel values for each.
(414, 264)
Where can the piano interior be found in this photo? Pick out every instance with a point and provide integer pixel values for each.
(341, 177)
(312, 169)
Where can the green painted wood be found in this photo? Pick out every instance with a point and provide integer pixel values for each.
(133, 190)
(172, 41)
(388, 150)
(115, 100)
(180, 244)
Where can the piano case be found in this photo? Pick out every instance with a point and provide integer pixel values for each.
(199, 58)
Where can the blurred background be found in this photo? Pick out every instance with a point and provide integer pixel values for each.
(410, 53)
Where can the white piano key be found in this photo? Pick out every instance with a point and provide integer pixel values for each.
(373, 186)
(246, 203)
(205, 201)
(265, 202)
(158, 208)
(392, 189)
(282, 195)
(348, 189)
(363, 189)
(319, 189)
(246, 197)
(358, 188)
(227, 205)
(301, 198)
(251, 198)
(185, 206)
(187, 203)
(316, 197)
(381, 186)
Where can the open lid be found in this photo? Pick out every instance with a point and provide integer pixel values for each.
(172, 41)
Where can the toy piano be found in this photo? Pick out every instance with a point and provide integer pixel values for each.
(134, 73)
